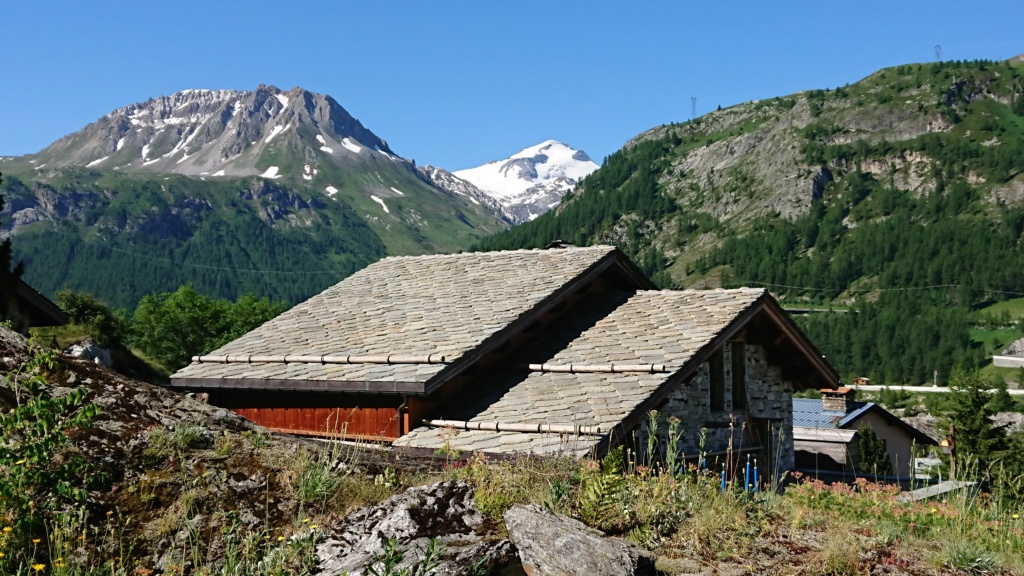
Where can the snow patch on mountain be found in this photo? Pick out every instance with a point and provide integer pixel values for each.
(381, 202)
(533, 180)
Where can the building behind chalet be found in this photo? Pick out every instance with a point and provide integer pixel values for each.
(560, 351)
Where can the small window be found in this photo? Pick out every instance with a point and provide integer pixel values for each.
(739, 375)
(716, 366)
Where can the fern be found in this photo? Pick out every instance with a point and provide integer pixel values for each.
(599, 498)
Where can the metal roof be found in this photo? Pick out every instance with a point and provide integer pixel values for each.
(808, 413)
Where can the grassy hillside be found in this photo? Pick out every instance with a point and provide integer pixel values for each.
(900, 195)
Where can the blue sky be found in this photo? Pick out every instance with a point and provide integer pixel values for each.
(455, 84)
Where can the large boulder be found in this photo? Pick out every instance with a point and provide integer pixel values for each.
(551, 544)
(89, 350)
(406, 522)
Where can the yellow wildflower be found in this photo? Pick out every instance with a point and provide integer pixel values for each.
(305, 520)
(35, 540)
(7, 528)
(2, 554)
(19, 462)
(38, 567)
(1015, 516)
(934, 510)
(312, 527)
(279, 538)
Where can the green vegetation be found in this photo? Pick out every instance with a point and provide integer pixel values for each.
(40, 472)
(874, 454)
(174, 326)
(678, 512)
(915, 235)
(125, 237)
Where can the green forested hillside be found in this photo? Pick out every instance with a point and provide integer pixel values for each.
(121, 237)
(898, 197)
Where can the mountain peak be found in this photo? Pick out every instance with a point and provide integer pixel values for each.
(533, 180)
(222, 133)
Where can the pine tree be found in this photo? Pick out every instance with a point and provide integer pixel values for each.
(7, 274)
(874, 452)
(969, 410)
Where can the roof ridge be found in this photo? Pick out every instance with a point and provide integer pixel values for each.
(597, 247)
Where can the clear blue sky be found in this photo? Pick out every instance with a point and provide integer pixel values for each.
(456, 84)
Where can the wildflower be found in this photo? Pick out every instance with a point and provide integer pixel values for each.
(1016, 516)
(305, 520)
(280, 538)
(19, 462)
(110, 512)
(313, 527)
(934, 510)
(38, 567)
(35, 540)
(2, 554)
(7, 528)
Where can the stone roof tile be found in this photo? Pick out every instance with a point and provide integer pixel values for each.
(446, 304)
(659, 327)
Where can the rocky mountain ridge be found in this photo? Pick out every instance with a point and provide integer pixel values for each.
(218, 133)
(714, 176)
(232, 190)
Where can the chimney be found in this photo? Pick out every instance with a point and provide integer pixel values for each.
(839, 400)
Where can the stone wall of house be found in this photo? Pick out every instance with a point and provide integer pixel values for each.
(705, 430)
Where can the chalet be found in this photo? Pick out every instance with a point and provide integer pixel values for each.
(27, 308)
(827, 440)
(564, 350)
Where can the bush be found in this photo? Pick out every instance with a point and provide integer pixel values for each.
(173, 327)
(107, 327)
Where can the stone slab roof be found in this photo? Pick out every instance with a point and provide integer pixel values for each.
(412, 305)
(648, 327)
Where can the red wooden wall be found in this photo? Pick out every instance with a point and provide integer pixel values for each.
(365, 416)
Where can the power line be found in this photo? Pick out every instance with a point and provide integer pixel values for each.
(866, 290)
(200, 266)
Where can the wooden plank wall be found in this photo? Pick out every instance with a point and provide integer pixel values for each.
(351, 416)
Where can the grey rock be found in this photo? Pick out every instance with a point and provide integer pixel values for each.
(89, 350)
(444, 512)
(551, 544)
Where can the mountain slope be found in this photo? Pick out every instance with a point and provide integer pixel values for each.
(899, 193)
(533, 180)
(295, 166)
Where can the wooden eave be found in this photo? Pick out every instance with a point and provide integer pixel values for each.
(41, 304)
(296, 385)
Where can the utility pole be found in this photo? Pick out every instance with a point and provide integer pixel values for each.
(952, 452)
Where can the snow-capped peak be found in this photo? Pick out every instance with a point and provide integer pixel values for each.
(533, 180)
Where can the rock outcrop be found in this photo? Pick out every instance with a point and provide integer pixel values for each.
(550, 544)
(444, 512)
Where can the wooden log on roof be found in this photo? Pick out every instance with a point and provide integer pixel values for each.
(598, 368)
(323, 359)
(518, 427)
